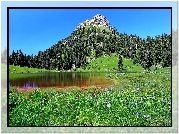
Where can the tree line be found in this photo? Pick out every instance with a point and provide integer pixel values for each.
(88, 43)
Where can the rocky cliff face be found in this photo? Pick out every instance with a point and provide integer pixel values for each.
(97, 21)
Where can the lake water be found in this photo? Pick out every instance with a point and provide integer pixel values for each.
(58, 80)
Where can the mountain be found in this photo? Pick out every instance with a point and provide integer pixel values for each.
(97, 21)
(92, 39)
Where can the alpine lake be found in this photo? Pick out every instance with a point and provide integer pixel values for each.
(59, 80)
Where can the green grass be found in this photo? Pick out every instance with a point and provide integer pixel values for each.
(102, 64)
(137, 99)
(18, 69)
(110, 64)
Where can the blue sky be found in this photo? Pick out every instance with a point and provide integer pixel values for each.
(33, 30)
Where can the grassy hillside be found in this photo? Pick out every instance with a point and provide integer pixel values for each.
(110, 64)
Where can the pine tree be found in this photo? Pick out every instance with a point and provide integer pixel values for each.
(120, 64)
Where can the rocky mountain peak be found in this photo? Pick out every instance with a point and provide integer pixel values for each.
(97, 21)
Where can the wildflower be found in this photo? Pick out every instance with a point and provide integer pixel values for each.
(108, 92)
(153, 97)
(135, 104)
(164, 100)
(148, 98)
(22, 122)
(96, 113)
(153, 93)
(141, 99)
(97, 102)
(89, 97)
(138, 114)
(94, 95)
(137, 89)
(148, 118)
(108, 105)
(49, 122)
(169, 103)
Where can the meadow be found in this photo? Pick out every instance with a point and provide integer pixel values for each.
(18, 69)
(138, 98)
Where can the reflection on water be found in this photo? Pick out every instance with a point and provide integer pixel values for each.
(59, 80)
(28, 85)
